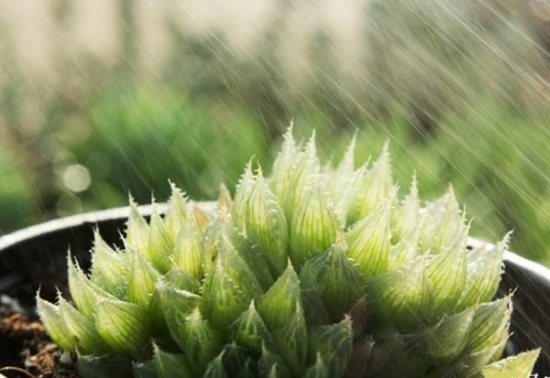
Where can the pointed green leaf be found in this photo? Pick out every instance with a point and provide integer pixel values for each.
(406, 250)
(490, 321)
(447, 340)
(201, 216)
(282, 311)
(319, 369)
(314, 227)
(332, 344)
(375, 188)
(292, 169)
(255, 259)
(180, 280)
(346, 167)
(234, 358)
(515, 366)
(250, 330)
(176, 280)
(55, 325)
(483, 274)
(160, 245)
(266, 226)
(123, 326)
(344, 194)
(215, 234)
(242, 194)
(284, 161)
(404, 298)
(334, 277)
(229, 288)
(343, 183)
(84, 293)
(405, 219)
(315, 310)
(176, 215)
(225, 201)
(447, 275)
(473, 363)
(271, 365)
(291, 340)
(369, 242)
(278, 304)
(444, 223)
(199, 339)
(215, 368)
(137, 231)
(170, 365)
(109, 268)
(142, 280)
(305, 168)
(188, 252)
(87, 340)
(173, 304)
(251, 255)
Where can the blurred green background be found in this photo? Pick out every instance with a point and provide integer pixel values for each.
(99, 99)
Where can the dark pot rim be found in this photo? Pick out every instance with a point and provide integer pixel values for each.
(530, 281)
(53, 226)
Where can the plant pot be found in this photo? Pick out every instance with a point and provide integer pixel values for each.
(36, 257)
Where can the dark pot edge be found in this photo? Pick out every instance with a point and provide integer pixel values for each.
(51, 227)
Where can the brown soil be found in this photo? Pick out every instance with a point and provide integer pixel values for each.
(25, 349)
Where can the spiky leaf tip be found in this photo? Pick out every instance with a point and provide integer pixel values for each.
(82, 329)
(177, 213)
(159, 244)
(376, 187)
(123, 326)
(84, 292)
(447, 340)
(137, 229)
(199, 339)
(369, 242)
(229, 287)
(109, 267)
(514, 366)
(142, 280)
(54, 324)
(402, 299)
(169, 365)
(489, 325)
(314, 226)
(265, 224)
(188, 250)
(250, 330)
(333, 345)
(170, 305)
(484, 269)
(335, 278)
(278, 304)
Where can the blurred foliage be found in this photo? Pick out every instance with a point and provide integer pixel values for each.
(497, 160)
(142, 137)
(17, 200)
(459, 88)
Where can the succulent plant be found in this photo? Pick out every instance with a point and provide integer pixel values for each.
(311, 272)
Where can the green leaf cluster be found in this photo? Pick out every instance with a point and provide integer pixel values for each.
(311, 272)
